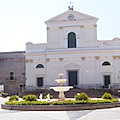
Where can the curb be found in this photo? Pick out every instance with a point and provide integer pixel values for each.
(60, 107)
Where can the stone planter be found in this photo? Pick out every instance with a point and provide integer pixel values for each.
(60, 107)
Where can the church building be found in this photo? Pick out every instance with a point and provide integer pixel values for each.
(72, 48)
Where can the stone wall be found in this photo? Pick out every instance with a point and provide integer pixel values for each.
(12, 71)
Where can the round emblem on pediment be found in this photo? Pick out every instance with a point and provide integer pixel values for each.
(71, 17)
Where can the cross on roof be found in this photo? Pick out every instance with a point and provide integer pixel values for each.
(70, 3)
(70, 6)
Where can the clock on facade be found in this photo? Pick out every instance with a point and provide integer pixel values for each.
(71, 17)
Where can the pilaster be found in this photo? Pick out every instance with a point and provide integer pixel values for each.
(83, 70)
(61, 60)
(115, 69)
(97, 70)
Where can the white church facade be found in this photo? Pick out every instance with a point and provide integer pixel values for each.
(72, 48)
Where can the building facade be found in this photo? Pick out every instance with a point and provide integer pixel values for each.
(72, 48)
(12, 71)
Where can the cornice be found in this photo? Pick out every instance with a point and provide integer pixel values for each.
(72, 51)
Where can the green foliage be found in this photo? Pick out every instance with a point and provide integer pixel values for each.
(107, 96)
(27, 103)
(66, 102)
(14, 98)
(4, 94)
(80, 99)
(81, 102)
(115, 100)
(51, 97)
(81, 96)
(24, 97)
(30, 97)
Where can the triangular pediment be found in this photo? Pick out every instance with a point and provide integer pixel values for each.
(71, 15)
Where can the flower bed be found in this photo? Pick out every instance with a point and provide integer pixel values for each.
(67, 102)
(81, 102)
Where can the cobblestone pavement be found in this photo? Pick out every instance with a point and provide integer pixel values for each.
(102, 114)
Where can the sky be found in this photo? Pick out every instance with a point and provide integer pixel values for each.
(22, 21)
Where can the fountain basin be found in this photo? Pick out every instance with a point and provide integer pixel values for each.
(61, 80)
(61, 91)
(62, 88)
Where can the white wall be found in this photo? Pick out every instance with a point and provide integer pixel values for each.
(86, 58)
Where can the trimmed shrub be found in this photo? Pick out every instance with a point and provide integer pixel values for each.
(51, 97)
(67, 102)
(4, 94)
(115, 100)
(30, 97)
(24, 97)
(14, 98)
(107, 96)
(81, 96)
(28, 103)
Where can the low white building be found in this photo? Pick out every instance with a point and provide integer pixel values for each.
(72, 48)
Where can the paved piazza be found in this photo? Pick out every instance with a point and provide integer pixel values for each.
(101, 114)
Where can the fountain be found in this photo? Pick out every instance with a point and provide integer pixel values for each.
(61, 89)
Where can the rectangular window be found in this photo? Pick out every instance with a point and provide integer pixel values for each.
(11, 76)
(40, 81)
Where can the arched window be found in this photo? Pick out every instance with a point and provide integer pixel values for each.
(39, 66)
(71, 40)
(106, 63)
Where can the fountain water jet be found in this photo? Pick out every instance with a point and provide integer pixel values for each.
(61, 89)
